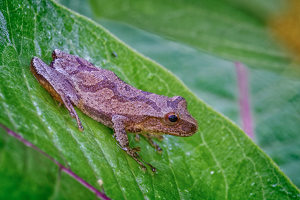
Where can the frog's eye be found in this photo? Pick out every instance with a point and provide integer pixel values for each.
(172, 118)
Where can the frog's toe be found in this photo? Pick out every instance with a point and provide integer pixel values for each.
(153, 169)
(80, 127)
(136, 149)
(159, 150)
(160, 138)
(137, 137)
(143, 168)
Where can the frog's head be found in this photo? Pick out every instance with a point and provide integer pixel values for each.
(174, 120)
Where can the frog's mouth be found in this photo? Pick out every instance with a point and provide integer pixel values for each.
(152, 133)
(159, 133)
(181, 130)
(156, 126)
(181, 134)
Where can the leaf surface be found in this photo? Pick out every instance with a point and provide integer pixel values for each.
(27, 174)
(219, 162)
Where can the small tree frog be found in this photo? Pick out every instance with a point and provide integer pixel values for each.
(103, 96)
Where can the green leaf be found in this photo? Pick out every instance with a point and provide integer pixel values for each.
(27, 174)
(218, 162)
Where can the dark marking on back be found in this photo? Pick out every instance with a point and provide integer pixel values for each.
(145, 93)
(83, 67)
(112, 86)
(147, 101)
(174, 104)
(127, 88)
(100, 114)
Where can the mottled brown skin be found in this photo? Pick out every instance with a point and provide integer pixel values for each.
(100, 94)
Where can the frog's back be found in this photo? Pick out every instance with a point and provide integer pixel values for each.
(102, 90)
(102, 93)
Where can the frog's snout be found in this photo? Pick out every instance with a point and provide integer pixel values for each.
(194, 128)
(190, 128)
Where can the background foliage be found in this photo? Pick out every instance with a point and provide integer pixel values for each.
(218, 162)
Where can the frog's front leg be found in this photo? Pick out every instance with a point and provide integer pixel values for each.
(148, 137)
(122, 138)
(159, 137)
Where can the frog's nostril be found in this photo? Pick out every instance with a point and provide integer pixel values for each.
(189, 129)
(194, 128)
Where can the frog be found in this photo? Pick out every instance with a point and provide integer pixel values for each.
(102, 95)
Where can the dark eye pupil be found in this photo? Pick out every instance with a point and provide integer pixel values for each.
(173, 118)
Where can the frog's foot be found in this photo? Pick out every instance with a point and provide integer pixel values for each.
(121, 136)
(160, 137)
(72, 111)
(136, 149)
(152, 143)
(137, 137)
(132, 152)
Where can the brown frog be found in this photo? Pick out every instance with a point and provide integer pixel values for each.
(103, 96)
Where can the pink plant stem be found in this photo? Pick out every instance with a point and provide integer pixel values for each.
(245, 110)
(63, 168)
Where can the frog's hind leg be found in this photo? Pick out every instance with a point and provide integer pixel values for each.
(121, 136)
(149, 137)
(72, 111)
(56, 86)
